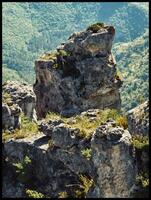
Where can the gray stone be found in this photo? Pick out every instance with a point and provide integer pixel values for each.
(138, 119)
(22, 95)
(11, 116)
(112, 157)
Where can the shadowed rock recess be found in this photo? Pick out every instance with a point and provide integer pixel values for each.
(79, 76)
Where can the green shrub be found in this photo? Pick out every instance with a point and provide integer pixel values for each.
(122, 121)
(143, 179)
(63, 53)
(96, 27)
(87, 153)
(33, 194)
(49, 56)
(86, 184)
(118, 75)
(50, 144)
(6, 98)
(62, 194)
(140, 142)
(23, 169)
(28, 128)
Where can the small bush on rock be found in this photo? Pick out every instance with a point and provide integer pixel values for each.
(140, 142)
(122, 121)
(62, 194)
(86, 184)
(33, 194)
(87, 153)
(96, 27)
(23, 169)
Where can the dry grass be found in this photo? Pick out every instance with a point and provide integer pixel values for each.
(28, 128)
(62, 194)
(6, 98)
(86, 184)
(86, 126)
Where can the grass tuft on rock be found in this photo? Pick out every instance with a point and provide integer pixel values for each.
(88, 126)
(28, 128)
(96, 27)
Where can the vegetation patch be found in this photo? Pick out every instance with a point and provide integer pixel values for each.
(86, 184)
(28, 128)
(50, 144)
(87, 153)
(33, 194)
(6, 98)
(23, 170)
(62, 194)
(86, 126)
(63, 53)
(140, 142)
(122, 121)
(96, 27)
(49, 56)
(118, 75)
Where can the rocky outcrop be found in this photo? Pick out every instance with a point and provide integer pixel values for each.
(138, 119)
(112, 157)
(17, 96)
(57, 154)
(79, 76)
(11, 116)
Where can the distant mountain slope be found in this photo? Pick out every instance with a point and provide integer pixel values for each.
(133, 63)
(10, 74)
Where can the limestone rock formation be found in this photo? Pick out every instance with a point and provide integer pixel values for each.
(138, 119)
(11, 116)
(22, 95)
(79, 76)
(60, 162)
(112, 157)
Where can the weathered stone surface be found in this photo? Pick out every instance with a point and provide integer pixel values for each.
(54, 166)
(84, 78)
(138, 119)
(113, 160)
(23, 96)
(11, 116)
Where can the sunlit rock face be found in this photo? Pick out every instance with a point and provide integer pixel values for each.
(113, 160)
(82, 75)
(20, 95)
(138, 119)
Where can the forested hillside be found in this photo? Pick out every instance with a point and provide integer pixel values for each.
(30, 29)
(133, 65)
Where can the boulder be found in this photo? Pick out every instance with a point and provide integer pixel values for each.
(138, 119)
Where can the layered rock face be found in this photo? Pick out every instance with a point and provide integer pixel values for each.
(17, 98)
(80, 76)
(57, 154)
(138, 119)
